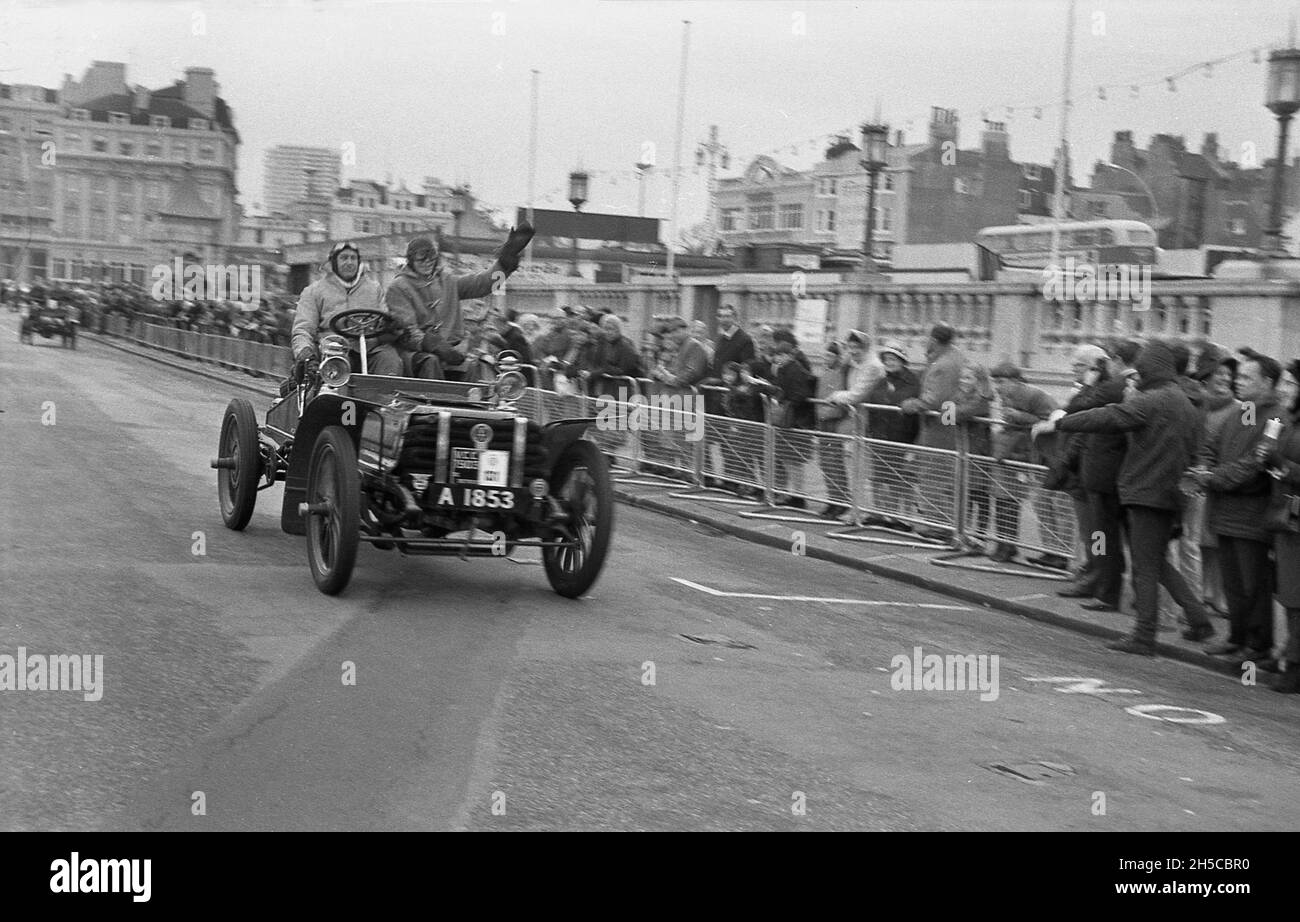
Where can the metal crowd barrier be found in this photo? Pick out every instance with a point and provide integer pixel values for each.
(970, 498)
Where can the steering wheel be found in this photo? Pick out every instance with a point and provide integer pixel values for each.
(360, 321)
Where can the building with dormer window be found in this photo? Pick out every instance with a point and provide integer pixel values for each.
(98, 176)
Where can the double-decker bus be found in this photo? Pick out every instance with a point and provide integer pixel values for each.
(1029, 246)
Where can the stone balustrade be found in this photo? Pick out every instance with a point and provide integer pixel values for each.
(995, 321)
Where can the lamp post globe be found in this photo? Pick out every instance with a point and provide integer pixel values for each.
(577, 198)
(1282, 98)
(874, 146)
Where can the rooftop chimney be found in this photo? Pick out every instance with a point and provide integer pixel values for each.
(943, 126)
(1210, 146)
(200, 91)
(995, 142)
(141, 97)
(1122, 150)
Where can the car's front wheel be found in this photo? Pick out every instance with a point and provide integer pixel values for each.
(239, 463)
(333, 510)
(580, 481)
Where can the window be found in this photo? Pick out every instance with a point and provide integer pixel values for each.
(5, 123)
(1098, 209)
(207, 152)
(1105, 237)
(1237, 226)
(825, 186)
(72, 140)
(1032, 171)
(180, 151)
(154, 149)
(43, 190)
(119, 118)
(126, 148)
(825, 220)
(125, 223)
(884, 218)
(98, 229)
(198, 124)
(99, 145)
(760, 217)
(887, 182)
(729, 216)
(792, 217)
(160, 121)
(80, 115)
(1026, 199)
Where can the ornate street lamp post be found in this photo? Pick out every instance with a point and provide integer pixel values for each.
(577, 198)
(643, 166)
(874, 143)
(457, 209)
(1282, 99)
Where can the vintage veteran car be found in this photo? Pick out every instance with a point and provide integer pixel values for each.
(48, 322)
(426, 467)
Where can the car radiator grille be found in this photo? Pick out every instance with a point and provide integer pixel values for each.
(420, 444)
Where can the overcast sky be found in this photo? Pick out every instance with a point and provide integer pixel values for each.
(441, 87)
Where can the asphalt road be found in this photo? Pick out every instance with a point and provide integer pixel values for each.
(483, 701)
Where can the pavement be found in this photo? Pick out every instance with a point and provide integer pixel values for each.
(1027, 591)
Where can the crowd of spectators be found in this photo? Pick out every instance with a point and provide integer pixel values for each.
(1182, 467)
(268, 321)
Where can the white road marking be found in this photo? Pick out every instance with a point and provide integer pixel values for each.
(1153, 711)
(813, 598)
(1026, 598)
(1078, 685)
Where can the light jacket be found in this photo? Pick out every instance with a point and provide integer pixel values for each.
(433, 304)
(328, 296)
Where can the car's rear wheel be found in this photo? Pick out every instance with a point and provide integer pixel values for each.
(241, 462)
(334, 510)
(580, 481)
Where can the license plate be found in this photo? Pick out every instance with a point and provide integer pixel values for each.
(479, 466)
(472, 497)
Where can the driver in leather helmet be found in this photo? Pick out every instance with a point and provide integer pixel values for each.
(345, 286)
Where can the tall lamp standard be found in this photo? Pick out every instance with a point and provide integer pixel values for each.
(577, 198)
(874, 141)
(1282, 99)
(457, 209)
(643, 166)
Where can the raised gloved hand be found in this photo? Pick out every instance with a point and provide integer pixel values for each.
(519, 238)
